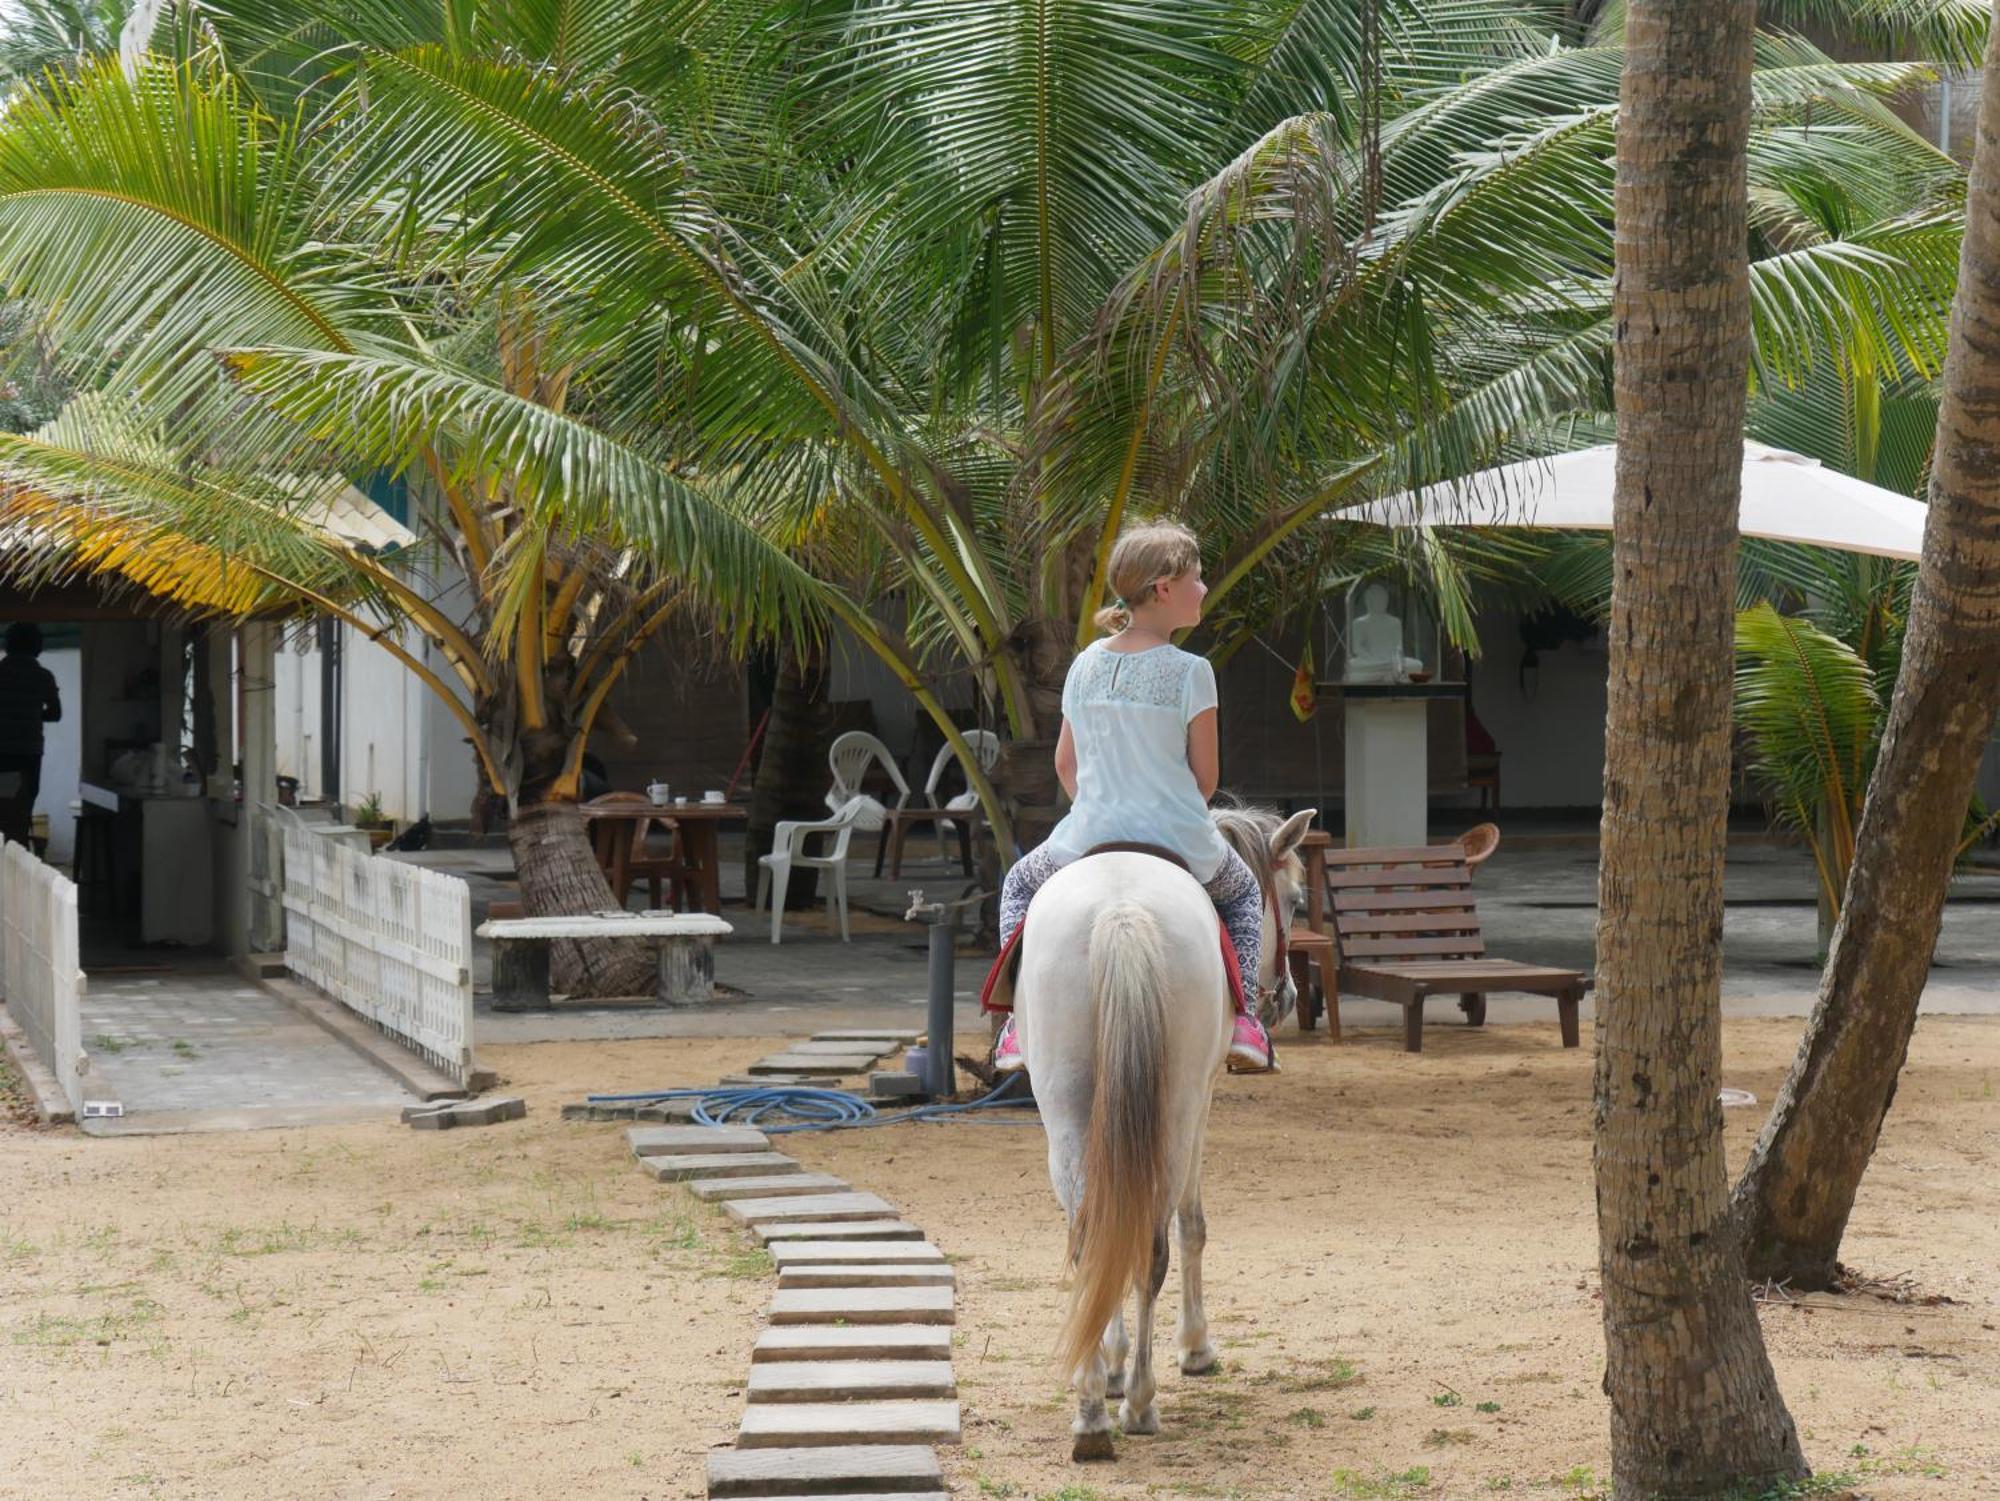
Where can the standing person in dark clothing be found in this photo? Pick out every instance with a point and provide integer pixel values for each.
(28, 700)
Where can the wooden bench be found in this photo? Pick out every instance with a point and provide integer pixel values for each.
(1407, 928)
(682, 940)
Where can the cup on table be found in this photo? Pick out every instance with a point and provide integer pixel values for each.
(711, 797)
(658, 791)
(680, 802)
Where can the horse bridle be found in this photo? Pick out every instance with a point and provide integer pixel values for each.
(1282, 970)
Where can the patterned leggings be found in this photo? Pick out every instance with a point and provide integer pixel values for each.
(1233, 888)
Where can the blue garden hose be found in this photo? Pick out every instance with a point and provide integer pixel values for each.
(810, 1109)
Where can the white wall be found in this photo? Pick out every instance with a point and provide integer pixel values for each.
(1551, 736)
(62, 752)
(398, 740)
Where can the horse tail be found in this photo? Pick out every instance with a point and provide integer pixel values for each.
(1124, 1156)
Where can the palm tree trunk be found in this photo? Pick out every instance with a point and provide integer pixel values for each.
(1799, 1185)
(792, 772)
(560, 877)
(1026, 774)
(1695, 1408)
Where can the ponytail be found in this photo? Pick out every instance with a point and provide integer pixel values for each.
(1112, 619)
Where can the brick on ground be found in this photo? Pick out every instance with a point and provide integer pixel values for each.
(769, 1186)
(817, 1207)
(818, 1073)
(874, 1274)
(863, 1305)
(719, 1165)
(811, 1424)
(861, 1469)
(674, 1141)
(886, 1228)
(848, 1380)
(801, 1253)
(788, 1342)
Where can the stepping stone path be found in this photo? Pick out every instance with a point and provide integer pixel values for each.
(851, 1384)
(816, 1380)
(716, 1190)
(715, 1165)
(814, 1206)
(869, 1274)
(821, 1230)
(816, 1065)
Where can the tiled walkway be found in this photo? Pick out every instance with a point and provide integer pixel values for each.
(202, 1049)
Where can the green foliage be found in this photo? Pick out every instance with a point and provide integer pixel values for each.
(1810, 718)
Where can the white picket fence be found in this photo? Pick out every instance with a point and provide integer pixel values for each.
(389, 941)
(39, 970)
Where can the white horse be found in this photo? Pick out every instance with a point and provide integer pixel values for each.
(1123, 1012)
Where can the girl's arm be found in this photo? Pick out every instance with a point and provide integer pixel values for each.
(1204, 757)
(1066, 761)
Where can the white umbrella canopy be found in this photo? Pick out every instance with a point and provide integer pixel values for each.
(1787, 497)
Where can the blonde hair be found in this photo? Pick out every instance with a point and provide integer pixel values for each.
(1146, 553)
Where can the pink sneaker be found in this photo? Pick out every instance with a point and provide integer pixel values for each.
(1007, 1057)
(1250, 1050)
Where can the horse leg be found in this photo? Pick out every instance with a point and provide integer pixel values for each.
(1138, 1414)
(1197, 1354)
(1092, 1427)
(1116, 1347)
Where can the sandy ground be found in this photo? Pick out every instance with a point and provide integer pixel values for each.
(1401, 1275)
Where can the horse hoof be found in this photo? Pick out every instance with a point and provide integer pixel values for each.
(1200, 1362)
(1138, 1422)
(1092, 1447)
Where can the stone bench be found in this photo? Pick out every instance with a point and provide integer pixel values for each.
(682, 940)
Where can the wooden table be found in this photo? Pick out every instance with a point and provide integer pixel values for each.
(697, 824)
(1313, 947)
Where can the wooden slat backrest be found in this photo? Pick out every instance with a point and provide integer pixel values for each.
(1404, 904)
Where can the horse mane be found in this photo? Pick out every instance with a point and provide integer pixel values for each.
(1248, 828)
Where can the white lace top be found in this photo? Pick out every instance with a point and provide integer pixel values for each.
(1128, 714)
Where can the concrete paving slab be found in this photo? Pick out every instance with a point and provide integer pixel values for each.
(864, 1305)
(863, 1469)
(816, 1066)
(852, 1342)
(798, 1425)
(674, 1141)
(200, 1048)
(719, 1165)
(855, 1252)
(758, 1081)
(813, 1207)
(886, 1228)
(770, 1186)
(878, 1274)
(849, 1048)
(848, 1380)
(901, 1036)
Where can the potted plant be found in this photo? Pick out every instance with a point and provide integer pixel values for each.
(368, 815)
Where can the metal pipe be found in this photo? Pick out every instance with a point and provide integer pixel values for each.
(940, 1079)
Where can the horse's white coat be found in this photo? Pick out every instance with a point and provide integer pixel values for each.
(1055, 1016)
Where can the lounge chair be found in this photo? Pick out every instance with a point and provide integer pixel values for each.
(1407, 928)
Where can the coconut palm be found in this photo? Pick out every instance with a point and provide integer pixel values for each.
(168, 227)
(539, 259)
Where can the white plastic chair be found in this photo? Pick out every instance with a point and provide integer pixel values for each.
(986, 750)
(849, 758)
(788, 848)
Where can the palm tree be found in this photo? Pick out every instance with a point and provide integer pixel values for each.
(163, 221)
(1003, 300)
